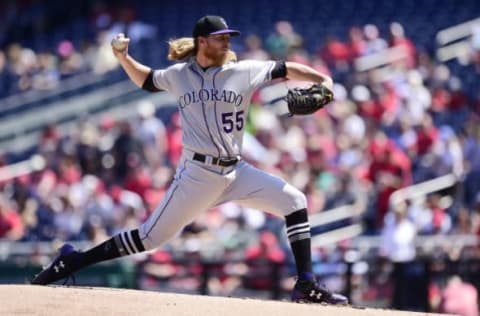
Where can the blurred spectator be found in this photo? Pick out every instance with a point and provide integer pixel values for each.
(157, 270)
(374, 43)
(7, 79)
(368, 107)
(23, 63)
(431, 216)
(398, 235)
(263, 261)
(138, 180)
(398, 245)
(87, 150)
(68, 169)
(96, 231)
(475, 216)
(441, 220)
(253, 49)
(101, 15)
(357, 42)
(342, 194)
(128, 210)
(47, 76)
(388, 171)
(459, 298)
(127, 151)
(71, 61)
(95, 202)
(427, 134)
(101, 57)
(128, 24)
(475, 42)
(399, 39)
(11, 226)
(335, 53)
(416, 97)
(449, 149)
(68, 219)
(280, 43)
(153, 135)
(470, 140)
(464, 223)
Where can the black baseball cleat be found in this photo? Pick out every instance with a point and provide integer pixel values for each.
(61, 267)
(309, 291)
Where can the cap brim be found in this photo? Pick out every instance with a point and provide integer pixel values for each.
(226, 31)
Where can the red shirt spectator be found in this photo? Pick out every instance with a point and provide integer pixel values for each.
(459, 298)
(389, 170)
(372, 109)
(69, 171)
(440, 99)
(389, 158)
(260, 260)
(387, 176)
(357, 43)
(398, 39)
(335, 51)
(11, 226)
(427, 134)
(389, 100)
(139, 181)
(458, 100)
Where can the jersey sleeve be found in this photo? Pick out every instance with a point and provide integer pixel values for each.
(162, 78)
(260, 71)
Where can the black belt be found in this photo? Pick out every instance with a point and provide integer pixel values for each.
(223, 162)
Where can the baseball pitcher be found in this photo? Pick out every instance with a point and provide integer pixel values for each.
(213, 92)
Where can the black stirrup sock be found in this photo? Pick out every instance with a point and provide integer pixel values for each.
(123, 244)
(298, 233)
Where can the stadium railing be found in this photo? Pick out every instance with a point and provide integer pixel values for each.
(118, 99)
(454, 42)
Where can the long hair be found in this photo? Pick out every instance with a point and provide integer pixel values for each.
(184, 47)
(181, 48)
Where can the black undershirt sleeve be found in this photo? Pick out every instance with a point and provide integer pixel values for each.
(148, 83)
(279, 70)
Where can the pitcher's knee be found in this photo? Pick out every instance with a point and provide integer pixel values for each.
(295, 200)
(154, 236)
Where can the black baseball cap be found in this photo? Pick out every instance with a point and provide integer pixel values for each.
(212, 25)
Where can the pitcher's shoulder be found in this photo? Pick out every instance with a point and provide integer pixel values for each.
(179, 66)
(245, 64)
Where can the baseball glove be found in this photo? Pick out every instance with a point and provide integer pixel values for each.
(308, 101)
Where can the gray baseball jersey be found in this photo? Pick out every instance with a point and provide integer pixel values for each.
(213, 105)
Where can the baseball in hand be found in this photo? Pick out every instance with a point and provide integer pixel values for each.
(120, 42)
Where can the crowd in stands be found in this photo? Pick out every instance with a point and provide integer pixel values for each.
(34, 57)
(383, 132)
(380, 134)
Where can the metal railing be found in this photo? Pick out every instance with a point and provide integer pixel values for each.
(331, 237)
(379, 59)
(355, 229)
(456, 32)
(422, 189)
(119, 100)
(454, 42)
(17, 101)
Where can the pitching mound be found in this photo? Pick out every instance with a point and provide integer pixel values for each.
(71, 301)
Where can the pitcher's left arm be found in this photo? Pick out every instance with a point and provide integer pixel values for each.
(297, 71)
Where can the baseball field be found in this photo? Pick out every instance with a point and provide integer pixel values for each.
(72, 301)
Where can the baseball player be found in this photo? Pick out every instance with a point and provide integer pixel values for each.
(213, 92)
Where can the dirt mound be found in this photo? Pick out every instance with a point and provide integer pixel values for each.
(71, 301)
